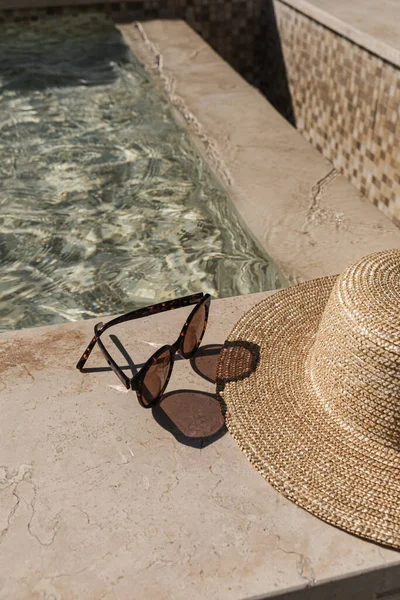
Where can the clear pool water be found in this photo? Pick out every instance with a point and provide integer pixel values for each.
(105, 205)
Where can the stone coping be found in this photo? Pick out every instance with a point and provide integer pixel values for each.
(306, 215)
(372, 24)
(98, 499)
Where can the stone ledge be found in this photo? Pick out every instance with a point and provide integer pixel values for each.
(309, 218)
(98, 499)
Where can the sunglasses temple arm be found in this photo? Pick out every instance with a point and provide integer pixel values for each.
(155, 309)
(137, 314)
(81, 362)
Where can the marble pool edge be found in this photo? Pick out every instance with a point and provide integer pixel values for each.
(303, 212)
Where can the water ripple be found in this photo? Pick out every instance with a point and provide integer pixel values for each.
(105, 205)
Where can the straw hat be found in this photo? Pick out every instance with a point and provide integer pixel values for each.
(319, 414)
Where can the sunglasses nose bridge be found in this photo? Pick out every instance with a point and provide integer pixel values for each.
(177, 345)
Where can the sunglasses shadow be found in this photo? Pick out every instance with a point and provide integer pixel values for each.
(193, 417)
(205, 361)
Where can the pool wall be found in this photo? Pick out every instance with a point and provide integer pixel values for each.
(345, 101)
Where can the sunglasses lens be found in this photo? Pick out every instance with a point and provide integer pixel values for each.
(155, 378)
(194, 331)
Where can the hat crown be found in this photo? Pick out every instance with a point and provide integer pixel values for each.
(355, 360)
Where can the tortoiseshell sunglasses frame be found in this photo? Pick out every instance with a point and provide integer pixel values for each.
(135, 382)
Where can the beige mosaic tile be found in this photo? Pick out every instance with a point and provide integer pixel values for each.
(346, 104)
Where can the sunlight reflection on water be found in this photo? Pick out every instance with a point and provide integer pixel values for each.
(105, 203)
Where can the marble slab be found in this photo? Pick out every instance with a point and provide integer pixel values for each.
(103, 499)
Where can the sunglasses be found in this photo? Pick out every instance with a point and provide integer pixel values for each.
(152, 379)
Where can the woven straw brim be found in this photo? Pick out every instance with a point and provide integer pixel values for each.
(337, 474)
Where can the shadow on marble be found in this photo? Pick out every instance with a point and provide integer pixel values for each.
(239, 358)
(193, 417)
(205, 361)
(196, 417)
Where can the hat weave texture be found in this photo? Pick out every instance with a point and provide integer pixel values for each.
(319, 415)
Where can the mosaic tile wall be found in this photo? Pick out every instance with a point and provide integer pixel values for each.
(10, 10)
(346, 103)
(344, 100)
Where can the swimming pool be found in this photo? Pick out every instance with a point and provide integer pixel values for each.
(106, 205)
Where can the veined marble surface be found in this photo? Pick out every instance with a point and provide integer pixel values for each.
(99, 500)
